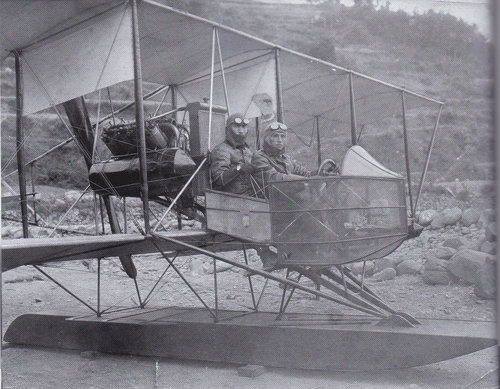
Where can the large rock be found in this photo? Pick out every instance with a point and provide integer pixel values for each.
(397, 259)
(385, 263)
(435, 272)
(18, 233)
(470, 216)
(409, 266)
(425, 218)
(433, 263)
(444, 252)
(451, 216)
(489, 247)
(466, 263)
(477, 243)
(436, 277)
(357, 268)
(491, 232)
(485, 286)
(370, 268)
(437, 222)
(455, 243)
(386, 274)
(7, 231)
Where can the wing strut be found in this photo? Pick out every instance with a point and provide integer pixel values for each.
(407, 157)
(20, 143)
(139, 116)
(353, 110)
(279, 88)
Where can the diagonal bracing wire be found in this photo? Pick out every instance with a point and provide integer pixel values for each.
(69, 210)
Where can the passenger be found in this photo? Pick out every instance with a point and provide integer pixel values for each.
(231, 160)
(271, 163)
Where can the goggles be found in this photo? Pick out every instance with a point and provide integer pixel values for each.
(280, 126)
(240, 121)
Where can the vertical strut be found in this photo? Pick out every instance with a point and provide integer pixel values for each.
(102, 214)
(111, 107)
(20, 143)
(138, 292)
(407, 156)
(139, 117)
(353, 110)
(216, 291)
(210, 103)
(98, 287)
(257, 134)
(125, 227)
(318, 140)
(283, 295)
(173, 96)
(428, 157)
(249, 277)
(96, 129)
(279, 90)
(33, 191)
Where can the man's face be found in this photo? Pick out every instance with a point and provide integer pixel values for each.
(278, 140)
(239, 129)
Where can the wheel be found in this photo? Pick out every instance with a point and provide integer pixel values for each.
(328, 167)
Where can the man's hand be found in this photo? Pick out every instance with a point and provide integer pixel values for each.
(247, 168)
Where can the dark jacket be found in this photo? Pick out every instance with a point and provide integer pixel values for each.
(279, 167)
(225, 177)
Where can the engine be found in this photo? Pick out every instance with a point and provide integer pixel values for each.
(169, 166)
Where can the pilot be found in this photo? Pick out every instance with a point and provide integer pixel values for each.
(271, 162)
(231, 160)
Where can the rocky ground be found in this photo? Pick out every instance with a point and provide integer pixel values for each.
(447, 272)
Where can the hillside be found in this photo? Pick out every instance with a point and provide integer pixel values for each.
(432, 54)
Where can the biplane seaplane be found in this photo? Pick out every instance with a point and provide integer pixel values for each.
(64, 51)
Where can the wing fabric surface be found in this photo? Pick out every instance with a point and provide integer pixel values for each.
(176, 50)
(67, 67)
(33, 251)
